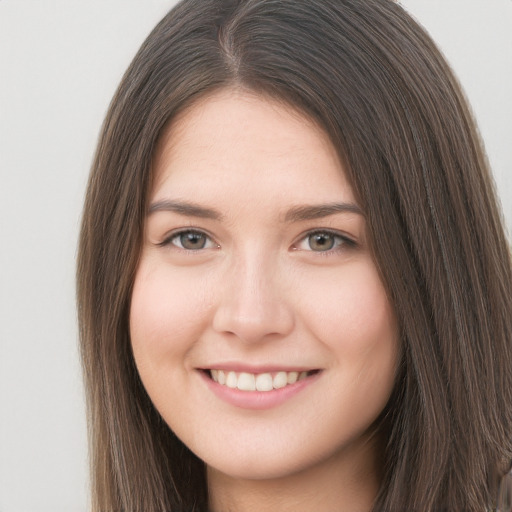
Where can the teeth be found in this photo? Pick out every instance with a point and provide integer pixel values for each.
(246, 382)
(231, 380)
(264, 382)
(256, 382)
(280, 380)
(292, 377)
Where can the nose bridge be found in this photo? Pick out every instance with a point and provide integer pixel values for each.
(252, 304)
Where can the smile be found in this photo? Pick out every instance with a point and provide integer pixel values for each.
(244, 381)
(258, 389)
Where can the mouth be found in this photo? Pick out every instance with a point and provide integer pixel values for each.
(263, 382)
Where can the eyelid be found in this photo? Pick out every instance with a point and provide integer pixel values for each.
(344, 241)
(169, 237)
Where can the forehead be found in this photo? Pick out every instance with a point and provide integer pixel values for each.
(250, 143)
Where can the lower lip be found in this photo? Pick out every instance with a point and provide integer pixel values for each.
(258, 400)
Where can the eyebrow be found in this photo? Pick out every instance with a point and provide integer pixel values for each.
(301, 213)
(184, 208)
(295, 214)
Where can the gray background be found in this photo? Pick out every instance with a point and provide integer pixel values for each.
(60, 61)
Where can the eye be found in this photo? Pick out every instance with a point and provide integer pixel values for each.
(190, 240)
(324, 241)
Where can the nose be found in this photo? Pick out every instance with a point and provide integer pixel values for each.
(252, 305)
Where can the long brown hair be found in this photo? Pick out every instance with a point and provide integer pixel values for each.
(375, 81)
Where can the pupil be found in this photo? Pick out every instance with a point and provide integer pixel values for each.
(192, 240)
(321, 242)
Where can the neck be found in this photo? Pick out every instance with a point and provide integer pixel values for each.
(347, 482)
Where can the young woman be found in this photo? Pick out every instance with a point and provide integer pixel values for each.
(294, 286)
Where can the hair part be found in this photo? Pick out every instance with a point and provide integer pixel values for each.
(376, 83)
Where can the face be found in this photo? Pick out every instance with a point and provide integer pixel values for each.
(259, 324)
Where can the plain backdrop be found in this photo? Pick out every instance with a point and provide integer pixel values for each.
(60, 62)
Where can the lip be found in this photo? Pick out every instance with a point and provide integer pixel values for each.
(240, 367)
(256, 400)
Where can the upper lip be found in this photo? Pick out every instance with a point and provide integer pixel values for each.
(256, 369)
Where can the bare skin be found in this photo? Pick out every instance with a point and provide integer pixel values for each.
(333, 488)
(256, 268)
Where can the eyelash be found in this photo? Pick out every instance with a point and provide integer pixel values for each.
(341, 242)
(177, 234)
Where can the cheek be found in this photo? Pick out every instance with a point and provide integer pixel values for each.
(359, 328)
(168, 310)
(351, 314)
